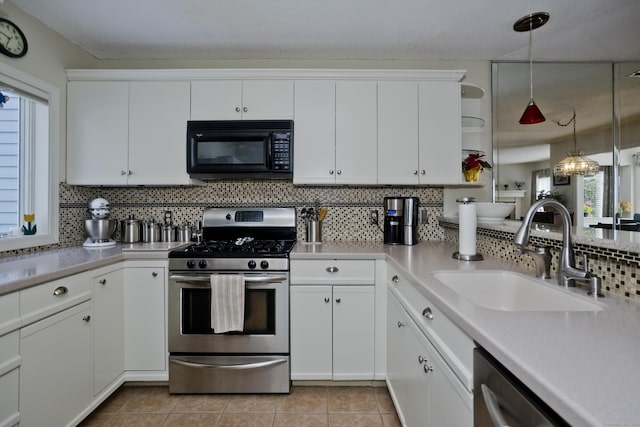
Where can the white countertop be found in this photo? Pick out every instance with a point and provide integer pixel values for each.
(583, 364)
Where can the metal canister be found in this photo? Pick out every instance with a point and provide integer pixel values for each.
(150, 231)
(184, 233)
(168, 233)
(130, 230)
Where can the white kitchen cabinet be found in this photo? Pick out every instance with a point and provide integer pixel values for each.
(127, 133)
(335, 132)
(332, 312)
(144, 316)
(9, 359)
(439, 133)
(108, 326)
(426, 392)
(56, 375)
(241, 100)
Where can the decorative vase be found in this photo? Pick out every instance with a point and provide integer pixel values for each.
(472, 175)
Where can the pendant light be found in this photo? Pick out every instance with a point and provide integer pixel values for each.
(575, 163)
(532, 113)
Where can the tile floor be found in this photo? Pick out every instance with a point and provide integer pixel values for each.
(304, 406)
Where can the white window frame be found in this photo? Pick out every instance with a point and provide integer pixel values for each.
(47, 204)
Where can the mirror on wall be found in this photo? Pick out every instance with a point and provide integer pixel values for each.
(606, 100)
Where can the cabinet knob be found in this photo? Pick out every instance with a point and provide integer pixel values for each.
(123, 173)
(338, 300)
(237, 109)
(423, 172)
(339, 172)
(332, 269)
(60, 290)
(154, 274)
(102, 281)
(427, 368)
(415, 172)
(395, 279)
(86, 318)
(427, 313)
(130, 173)
(245, 109)
(421, 359)
(400, 324)
(330, 171)
(326, 299)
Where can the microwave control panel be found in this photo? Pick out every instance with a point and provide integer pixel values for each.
(281, 151)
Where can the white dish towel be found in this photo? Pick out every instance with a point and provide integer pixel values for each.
(227, 302)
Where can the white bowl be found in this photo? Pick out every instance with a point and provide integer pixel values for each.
(493, 212)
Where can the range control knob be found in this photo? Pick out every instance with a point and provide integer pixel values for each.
(191, 264)
(264, 265)
(203, 263)
(251, 264)
(228, 217)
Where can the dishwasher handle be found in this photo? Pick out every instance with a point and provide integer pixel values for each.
(491, 402)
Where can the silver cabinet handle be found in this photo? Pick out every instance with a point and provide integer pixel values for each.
(102, 281)
(86, 318)
(421, 359)
(326, 299)
(237, 109)
(234, 367)
(491, 402)
(332, 269)
(130, 172)
(427, 368)
(339, 172)
(245, 109)
(423, 172)
(427, 313)
(400, 324)
(415, 172)
(123, 173)
(338, 300)
(60, 290)
(154, 274)
(395, 279)
(330, 171)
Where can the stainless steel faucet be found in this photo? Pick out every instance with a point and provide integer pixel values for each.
(568, 273)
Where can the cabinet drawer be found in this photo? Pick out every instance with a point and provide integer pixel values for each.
(9, 313)
(9, 390)
(49, 298)
(452, 343)
(333, 272)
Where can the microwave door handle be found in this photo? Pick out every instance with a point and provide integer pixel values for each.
(248, 279)
(269, 151)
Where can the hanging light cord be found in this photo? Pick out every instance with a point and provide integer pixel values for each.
(530, 59)
(571, 120)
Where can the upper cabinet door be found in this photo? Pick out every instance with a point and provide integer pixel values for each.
(246, 100)
(216, 100)
(315, 132)
(157, 132)
(97, 132)
(267, 100)
(397, 132)
(356, 132)
(440, 133)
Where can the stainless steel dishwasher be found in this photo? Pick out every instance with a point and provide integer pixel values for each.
(501, 400)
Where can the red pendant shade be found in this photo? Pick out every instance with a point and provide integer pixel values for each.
(531, 115)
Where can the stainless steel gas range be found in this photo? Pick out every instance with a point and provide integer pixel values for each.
(253, 243)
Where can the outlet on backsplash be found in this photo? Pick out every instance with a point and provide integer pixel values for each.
(373, 217)
(424, 217)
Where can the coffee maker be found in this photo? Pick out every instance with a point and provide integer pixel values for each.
(401, 220)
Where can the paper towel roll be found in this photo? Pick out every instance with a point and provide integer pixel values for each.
(467, 229)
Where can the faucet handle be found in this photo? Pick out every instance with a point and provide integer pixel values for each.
(585, 262)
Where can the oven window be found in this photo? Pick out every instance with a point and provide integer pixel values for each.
(247, 152)
(259, 312)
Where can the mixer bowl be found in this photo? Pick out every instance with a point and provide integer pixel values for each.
(100, 229)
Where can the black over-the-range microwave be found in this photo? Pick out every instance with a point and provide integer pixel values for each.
(240, 149)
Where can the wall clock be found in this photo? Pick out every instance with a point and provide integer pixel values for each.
(13, 43)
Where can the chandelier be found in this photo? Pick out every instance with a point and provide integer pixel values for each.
(575, 163)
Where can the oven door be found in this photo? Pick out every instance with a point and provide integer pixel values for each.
(266, 315)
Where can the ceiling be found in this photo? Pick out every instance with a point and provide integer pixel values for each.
(343, 29)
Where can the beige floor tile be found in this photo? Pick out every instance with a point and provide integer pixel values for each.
(391, 420)
(300, 420)
(385, 404)
(137, 420)
(96, 420)
(150, 399)
(352, 399)
(355, 420)
(305, 399)
(201, 403)
(117, 400)
(253, 403)
(197, 419)
(256, 419)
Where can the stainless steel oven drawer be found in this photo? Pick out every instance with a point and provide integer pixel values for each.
(229, 374)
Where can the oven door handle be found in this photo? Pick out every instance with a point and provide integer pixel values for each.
(242, 367)
(247, 278)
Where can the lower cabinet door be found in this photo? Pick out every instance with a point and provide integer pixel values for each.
(56, 373)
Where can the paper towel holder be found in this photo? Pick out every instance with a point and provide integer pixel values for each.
(458, 255)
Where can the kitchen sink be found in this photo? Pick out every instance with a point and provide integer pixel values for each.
(511, 291)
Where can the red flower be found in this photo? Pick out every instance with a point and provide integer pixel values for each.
(474, 161)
